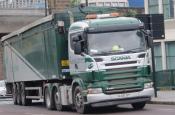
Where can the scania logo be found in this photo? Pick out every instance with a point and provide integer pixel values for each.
(120, 58)
(90, 66)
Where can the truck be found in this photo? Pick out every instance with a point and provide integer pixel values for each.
(80, 59)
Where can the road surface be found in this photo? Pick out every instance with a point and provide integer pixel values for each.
(7, 108)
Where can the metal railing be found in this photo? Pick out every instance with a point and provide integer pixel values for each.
(165, 79)
(17, 4)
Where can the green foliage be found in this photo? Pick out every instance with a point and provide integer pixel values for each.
(75, 2)
(130, 13)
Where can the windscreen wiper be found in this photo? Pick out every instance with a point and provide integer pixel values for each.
(134, 50)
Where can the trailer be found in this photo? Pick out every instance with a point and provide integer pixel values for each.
(79, 60)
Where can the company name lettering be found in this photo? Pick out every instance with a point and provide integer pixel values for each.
(120, 58)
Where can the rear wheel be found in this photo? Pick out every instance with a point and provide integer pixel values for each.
(19, 102)
(14, 94)
(139, 105)
(79, 101)
(24, 101)
(48, 99)
(57, 99)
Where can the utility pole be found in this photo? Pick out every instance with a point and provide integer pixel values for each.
(86, 2)
(153, 66)
(45, 7)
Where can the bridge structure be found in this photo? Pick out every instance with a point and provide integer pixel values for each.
(15, 14)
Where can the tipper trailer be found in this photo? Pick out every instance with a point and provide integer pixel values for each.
(82, 61)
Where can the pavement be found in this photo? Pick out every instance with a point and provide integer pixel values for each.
(164, 97)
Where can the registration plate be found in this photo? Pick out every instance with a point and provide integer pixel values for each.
(123, 95)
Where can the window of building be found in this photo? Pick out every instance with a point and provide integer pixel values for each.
(168, 9)
(126, 4)
(158, 56)
(114, 4)
(121, 4)
(92, 4)
(101, 4)
(153, 6)
(170, 54)
(107, 3)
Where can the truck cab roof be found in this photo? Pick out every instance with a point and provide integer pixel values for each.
(105, 22)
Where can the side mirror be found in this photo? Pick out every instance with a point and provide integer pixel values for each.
(77, 48)
(148, 32)
(76, 39)
(148, 39)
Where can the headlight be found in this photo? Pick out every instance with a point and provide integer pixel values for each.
(148, 85)
(94, 90)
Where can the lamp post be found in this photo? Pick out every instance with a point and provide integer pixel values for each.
(45, 7)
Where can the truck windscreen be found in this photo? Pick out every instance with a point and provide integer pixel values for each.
(116, 42)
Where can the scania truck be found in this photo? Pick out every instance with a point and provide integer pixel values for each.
(79, 60)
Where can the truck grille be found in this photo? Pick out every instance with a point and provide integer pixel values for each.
(120, 63)
(122, 80)
(128, 90)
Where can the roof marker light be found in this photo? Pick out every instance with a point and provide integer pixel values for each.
(99, 16)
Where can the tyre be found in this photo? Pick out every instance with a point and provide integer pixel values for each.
(48, 100)
(139, 105)
(24, 101)
(14, 94)
(79, 101)
(57, 99)
(19, 102)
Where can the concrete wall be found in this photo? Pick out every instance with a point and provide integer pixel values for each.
(14, 19)
(12, 23)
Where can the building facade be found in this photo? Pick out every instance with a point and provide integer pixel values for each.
(58, 5)
(22, 3)
(110, 3)
(164, 49)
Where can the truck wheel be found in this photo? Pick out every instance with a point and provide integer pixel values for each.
(14, 94)
(24, 101)
(48, 100)
(18, 94)
(57, 99)
(79, 101)
(139, 105)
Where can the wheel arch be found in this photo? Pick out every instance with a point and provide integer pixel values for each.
(78, 82)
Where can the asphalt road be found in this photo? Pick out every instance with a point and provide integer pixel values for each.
(7, 108)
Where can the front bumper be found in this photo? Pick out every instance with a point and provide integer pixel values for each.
(100, 100)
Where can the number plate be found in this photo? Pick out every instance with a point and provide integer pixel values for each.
(124, 95)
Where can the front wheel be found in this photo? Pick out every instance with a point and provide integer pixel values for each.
(79, 101)
(139, 105)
